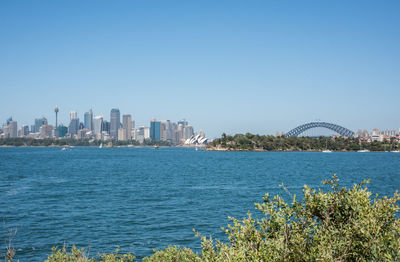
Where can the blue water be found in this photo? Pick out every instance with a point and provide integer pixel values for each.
(143, 199)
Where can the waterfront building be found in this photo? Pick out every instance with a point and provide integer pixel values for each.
(105, 136)
(13, 128)
(115, 122)
(127, 126)
(6, 131)
(122, 134)
(97, 125)
(88, 120)
(84, 133)
(155, 130)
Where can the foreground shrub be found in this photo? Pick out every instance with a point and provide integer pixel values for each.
(80, 255)
(343, 224)
(339, 225)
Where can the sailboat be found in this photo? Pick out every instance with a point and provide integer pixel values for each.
(101, 145)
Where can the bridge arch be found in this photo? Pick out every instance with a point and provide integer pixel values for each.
(338, 129)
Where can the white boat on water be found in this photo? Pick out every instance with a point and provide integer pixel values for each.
(395, 151)
(326, 151)
(65, 148)
(363, 151)
(101, 145)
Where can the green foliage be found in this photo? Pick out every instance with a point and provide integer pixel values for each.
(339, 225)
(281, 143)
(80, 255)
(173, 253)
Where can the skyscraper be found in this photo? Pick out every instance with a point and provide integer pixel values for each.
(62, 130)
(97, 125)
(115, 122)
(188, 132)
(13, 128)
(88, 120)
(183, 122)
(24, 130)
(73, 126)
(155, 130)
(127, 125)
(38, 123)
(106, 126)
(73, 115)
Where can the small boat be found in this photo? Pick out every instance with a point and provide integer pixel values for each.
(326, 151)
(326, 148)
(65, 148)
(395, 151)
(156, 147)
(101, 145)
(363, 151)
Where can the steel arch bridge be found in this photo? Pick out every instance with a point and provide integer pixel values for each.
(338, 129)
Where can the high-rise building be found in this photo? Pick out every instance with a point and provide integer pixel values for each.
(122, 134)
(115, 122)
(13, 128)
(24, 131)
(97, 125)
(62, 130)
(127, 126)
(73, 115)
(6, 131)
(9, 120)
(88, 120)
(73, 126)
(183, 122)
(146, 132)
(106, 127)
(38, 123)
(46, 131)
(188, 132)
(155, 130)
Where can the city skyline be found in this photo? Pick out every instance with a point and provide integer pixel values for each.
(228, 66)
(122, 123)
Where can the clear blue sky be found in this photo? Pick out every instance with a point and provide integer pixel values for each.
(225, 66)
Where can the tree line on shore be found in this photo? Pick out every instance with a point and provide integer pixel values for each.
(281, 143)
(25, 141)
